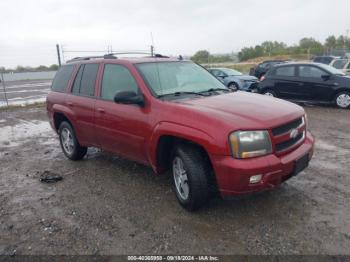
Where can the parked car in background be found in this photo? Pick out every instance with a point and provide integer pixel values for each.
(261, 69)
(324, 59)
(342, 64)
(174, 115)
(235, 80)
(312, 82)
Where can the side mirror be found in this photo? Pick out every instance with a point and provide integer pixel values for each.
(129, 97)
(326, 77)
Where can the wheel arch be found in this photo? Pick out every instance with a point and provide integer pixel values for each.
(167, 135)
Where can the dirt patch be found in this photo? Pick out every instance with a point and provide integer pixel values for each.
(109, 205)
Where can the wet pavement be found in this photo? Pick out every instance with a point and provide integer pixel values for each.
(109, 205)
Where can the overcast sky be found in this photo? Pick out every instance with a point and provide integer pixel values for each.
(29, 30)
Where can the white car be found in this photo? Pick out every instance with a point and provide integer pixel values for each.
(342, 64)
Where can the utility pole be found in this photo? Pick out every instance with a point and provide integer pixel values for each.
(152, 50)
(58, 54)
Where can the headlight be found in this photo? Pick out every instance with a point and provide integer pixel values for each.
(246, 144)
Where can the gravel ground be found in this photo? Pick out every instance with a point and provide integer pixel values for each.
(108, 205)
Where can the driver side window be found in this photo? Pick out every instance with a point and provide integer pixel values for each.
(116, 78)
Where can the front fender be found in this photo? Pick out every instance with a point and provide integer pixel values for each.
(183, 132)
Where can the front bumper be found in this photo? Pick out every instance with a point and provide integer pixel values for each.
(232, 175)
(249, 87)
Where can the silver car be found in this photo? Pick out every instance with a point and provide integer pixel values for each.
(235, 80)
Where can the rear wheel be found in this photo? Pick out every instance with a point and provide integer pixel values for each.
(270, 92)
(191, 174)
(342, 100)
(69, 143)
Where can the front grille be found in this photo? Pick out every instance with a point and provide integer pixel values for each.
(282, 135)
(287, 127)
(286, 144)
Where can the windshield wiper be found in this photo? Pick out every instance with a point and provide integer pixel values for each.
(217, 89)
(183, 93)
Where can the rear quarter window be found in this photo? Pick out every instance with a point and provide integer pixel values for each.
(62, 77)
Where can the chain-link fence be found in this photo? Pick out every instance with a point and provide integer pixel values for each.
(24, 88)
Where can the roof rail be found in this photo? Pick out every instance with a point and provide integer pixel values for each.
(113, 56)
(82, 58)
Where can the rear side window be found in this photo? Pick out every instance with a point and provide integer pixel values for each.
(310, 71)
(318, 59)
(62, 78)
(116, 78)
(84, 83)
(285, 71)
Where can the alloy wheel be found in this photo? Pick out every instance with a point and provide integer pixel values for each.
(180, 178)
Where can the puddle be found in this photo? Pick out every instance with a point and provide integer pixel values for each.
(16, 134)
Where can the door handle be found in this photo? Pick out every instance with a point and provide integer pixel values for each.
(69, 103)
(101, 110)
(300, 84)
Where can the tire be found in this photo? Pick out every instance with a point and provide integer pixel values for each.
(269, 92)
(70, 147)
(197, 171)
(342, 100)
(233, 86)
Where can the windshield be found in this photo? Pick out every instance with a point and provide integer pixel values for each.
(231, 72)
(331, 69)
(172, 77)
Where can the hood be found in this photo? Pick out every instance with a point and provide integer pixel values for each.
(243, 110)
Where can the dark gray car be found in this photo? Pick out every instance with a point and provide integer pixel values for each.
(235, 79)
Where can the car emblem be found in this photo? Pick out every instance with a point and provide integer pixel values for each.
(293, 134)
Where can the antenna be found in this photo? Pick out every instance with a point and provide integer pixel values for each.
(152, 45)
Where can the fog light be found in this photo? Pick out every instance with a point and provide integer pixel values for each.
(255, 179)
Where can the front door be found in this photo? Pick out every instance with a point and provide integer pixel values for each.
(315, 87)
(121, 128)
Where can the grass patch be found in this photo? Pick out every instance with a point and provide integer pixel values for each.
(34, 105)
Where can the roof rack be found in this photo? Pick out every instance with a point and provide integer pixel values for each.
(112, 56)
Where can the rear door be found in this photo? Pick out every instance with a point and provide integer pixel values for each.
(314, 87)
(286, 84)
(82, 101)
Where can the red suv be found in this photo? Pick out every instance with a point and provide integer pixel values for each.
(174, 115)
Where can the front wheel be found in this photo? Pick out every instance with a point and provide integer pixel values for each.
(191, 177)
(342, 100)
(69, 143)
(233, 86)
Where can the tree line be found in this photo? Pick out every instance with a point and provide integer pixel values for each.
(21, 69)
(306, 45)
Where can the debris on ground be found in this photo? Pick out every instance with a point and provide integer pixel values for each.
(50, 177)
